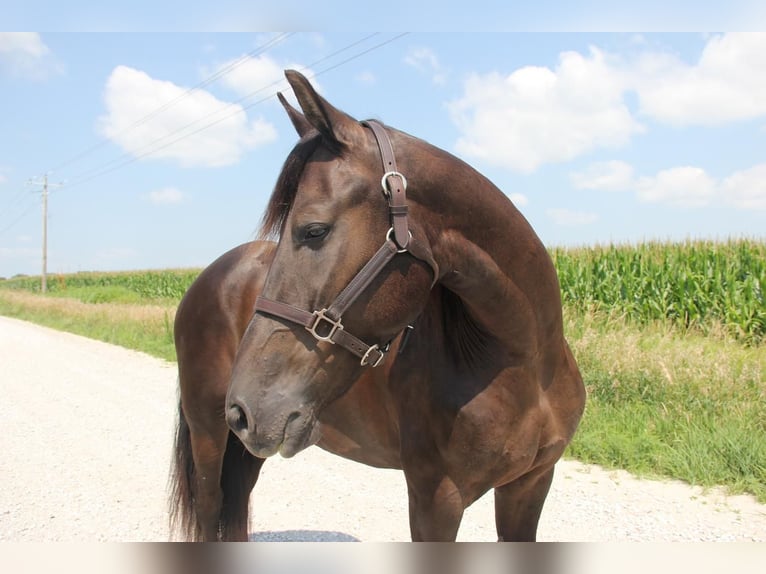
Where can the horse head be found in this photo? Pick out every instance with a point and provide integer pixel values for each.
(334, 299)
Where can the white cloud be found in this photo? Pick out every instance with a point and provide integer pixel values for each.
(426, 61)
(166, 195)
(27, 43)
(684, 186)
(3, 176)
(572, 218)
(537, 115)
(607, 175)
(727, 83)
(746, 189)
(25, 54)
(131, 95)
(250, 74)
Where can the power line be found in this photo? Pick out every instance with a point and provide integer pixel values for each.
(207, 81)
(16, 199)
(128, 157)
(359, 55)
(17, 220)
(109, 167)
(15, 202)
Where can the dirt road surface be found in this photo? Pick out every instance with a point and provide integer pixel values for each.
(86, 438)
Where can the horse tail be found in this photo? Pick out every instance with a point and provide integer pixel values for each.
(182, 515)
(238, 477)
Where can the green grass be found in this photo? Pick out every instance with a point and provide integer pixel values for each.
(690, 407)
(669, 339)
(134, 309)
(101, 294)
(146, 328)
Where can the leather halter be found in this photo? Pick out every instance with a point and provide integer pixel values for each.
(325, 324)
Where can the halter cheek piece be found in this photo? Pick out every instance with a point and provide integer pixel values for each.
(325, 324)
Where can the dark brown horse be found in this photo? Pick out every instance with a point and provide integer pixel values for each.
(430, 273)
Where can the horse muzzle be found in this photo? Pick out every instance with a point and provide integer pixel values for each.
(286, 434)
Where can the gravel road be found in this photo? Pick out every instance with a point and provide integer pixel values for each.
(86, 440)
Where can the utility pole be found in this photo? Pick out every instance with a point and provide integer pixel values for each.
(44, 276)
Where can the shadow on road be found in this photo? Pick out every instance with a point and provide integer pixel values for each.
(301, 536)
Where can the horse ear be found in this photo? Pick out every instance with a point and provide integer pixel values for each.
(334, 125)
(301, 124)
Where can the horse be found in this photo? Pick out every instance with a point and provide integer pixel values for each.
(406, 317)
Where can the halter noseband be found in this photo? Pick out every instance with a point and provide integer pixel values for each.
(325, 324)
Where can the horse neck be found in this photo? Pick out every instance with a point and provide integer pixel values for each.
(486, 250)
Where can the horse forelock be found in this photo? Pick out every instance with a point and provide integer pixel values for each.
(283, 195)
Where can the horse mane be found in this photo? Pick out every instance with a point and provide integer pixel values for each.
(283, 196)
(468, 343)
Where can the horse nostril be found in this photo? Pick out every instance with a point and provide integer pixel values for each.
(236, 418)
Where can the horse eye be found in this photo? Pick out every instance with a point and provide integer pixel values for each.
(314, 231)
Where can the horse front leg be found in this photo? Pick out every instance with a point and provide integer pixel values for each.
(518, 506)
(436, 509)
(208, 450)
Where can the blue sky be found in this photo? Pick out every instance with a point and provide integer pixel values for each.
(597, 137)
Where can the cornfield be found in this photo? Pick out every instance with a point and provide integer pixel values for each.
(149, 285)
(693, 285)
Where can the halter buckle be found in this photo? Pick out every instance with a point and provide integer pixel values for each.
(321, 316)
(366, 358)
(384, 181)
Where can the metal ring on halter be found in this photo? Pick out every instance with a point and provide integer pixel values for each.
(384, 181)
(398, 249)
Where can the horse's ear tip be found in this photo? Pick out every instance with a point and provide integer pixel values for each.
(292, 74)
